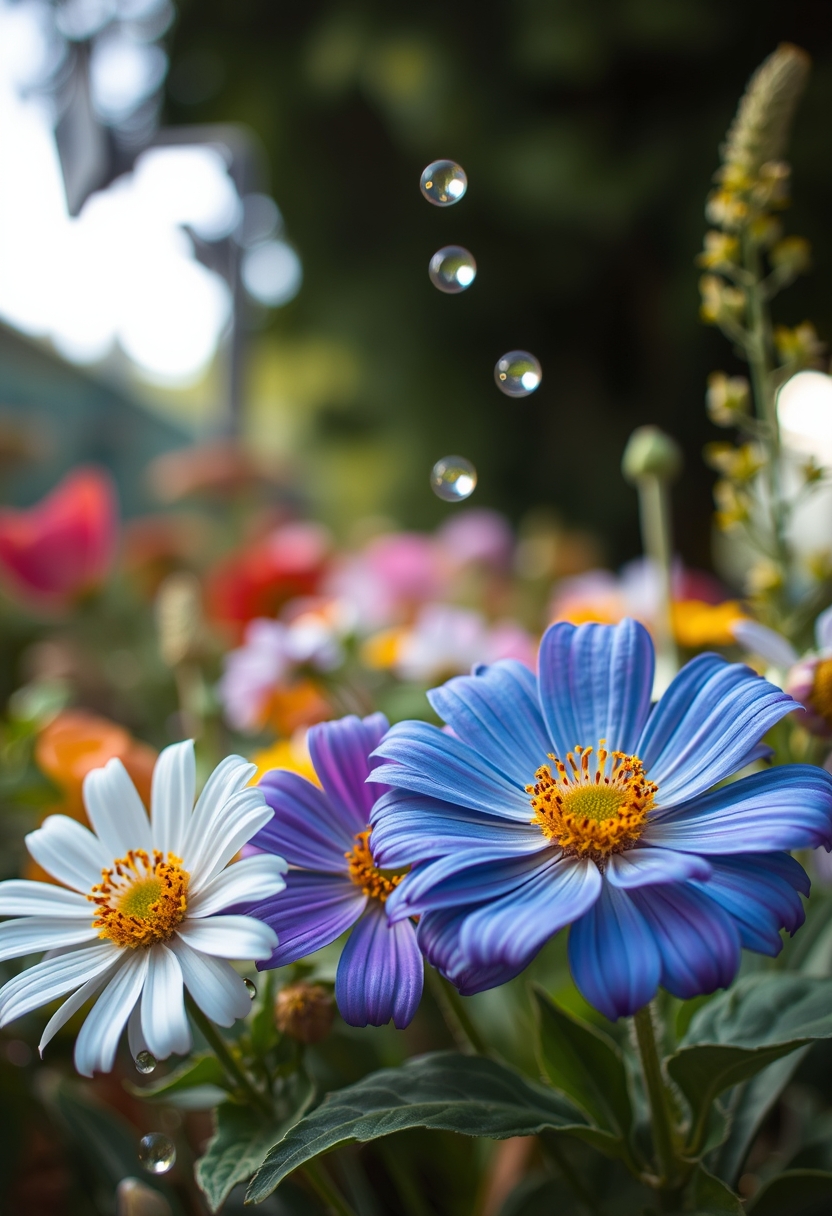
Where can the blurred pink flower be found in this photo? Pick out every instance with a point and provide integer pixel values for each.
(64, 545)
(445, 640)
(477, 536)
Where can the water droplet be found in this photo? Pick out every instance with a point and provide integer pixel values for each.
(518, 373)
(252, 991)
(145, 1062)
(157, 1153)
(453, 478)
(452, 269)
(443, 183)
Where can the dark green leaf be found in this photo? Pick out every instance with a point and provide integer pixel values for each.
(584, 1064)
(262, 1028)
(445, 1090)
(711, 1197)
(794, 1193)
(201, 1070)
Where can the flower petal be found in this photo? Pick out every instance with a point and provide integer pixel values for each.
(496, 711)
(69, 852)
(823, 630)
(249, 880)
(135, 1039)
(77, 1001)
(313, 911)
(22, 897)
(613, 955)
(438, 939)
(234, 825)
(95, 1047)
(698, 941)
(31, 934)
(705, 725)
(480, 876)
(340, 754)
(305, 828)
(760, 891)
(172, 797)
(213, 983)
(237, 937)
(163, 1019)
(767, 643)
(116, 811)
(380, 972)
(642, 867)
(53, 977)
(789, 807)
(229, 777)
(595, 683)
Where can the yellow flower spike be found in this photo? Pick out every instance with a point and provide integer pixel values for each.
(798, 345)
(791, 256)
(733, 507)
(726, 209)
(720, 250)
(727, 397)
(719, 301)
(740, 464)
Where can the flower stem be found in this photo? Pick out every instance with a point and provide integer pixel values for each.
(233, 1069)
(660, 1116)
(325, 1190)
(656, 531)
(457, 1019)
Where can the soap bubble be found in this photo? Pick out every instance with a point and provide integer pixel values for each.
(145, 1062)
(157, 1153)
(452, 269)
(443, 183)
(518, 373)
(453, 478)
(252, 991)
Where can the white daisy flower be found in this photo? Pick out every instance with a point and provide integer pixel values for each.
(138, 919)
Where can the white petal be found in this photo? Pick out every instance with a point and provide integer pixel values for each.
(229, 936)
(227, 779)
(214, 984)
(31, 934)
(95, 1047)
(248, 880)
(69, 852)
(172, 797)
(20, 897)
(823, 630)
(76, 1002)
(164, 1024)
(767, 643)
(115, 810)
(241, 818)
(135, 1039)
(52, 977)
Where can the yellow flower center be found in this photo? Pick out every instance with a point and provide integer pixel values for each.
(821, 697)
(589, 808)
(140, 899)
(365, 873)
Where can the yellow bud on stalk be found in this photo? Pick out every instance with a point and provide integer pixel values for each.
(727, 398)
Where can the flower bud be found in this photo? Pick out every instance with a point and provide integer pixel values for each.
(720, 250)
(727, 397)
(791, 257)
(304, 1011)
(651, 453)
(798, 345)
(719, 301)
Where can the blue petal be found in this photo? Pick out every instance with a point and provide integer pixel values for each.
(340, 756)
(497, 712)
(643, 867)
(306, 829)
(409, 828)
(789, 807)
(380, 973)
(760, 891)
(595, 683)
(459, 881)
(698, 941)
(706, 724)
(313, 911)
(429, 761)
(438, 937)
(613, 955)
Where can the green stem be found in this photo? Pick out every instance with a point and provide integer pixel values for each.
(457, 1019)
(233, 1069)
(660, 1116)
(324, 1189)
(657, 536)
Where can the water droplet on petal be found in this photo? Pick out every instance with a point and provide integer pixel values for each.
(157, 1153)
(443, 183)
(145, 1062)
(252, 991)
(453, 478)
(518, 373)
(452, 269)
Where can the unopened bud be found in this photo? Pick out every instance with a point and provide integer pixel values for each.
(651, 453)
(135, 1198)
(304, 1011)
(721, 250)
(719, 301)
(179, 617)
(799, 345)
(727, 397)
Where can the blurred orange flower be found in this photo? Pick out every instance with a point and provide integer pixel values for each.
(64, 545)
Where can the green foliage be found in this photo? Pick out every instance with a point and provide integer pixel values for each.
(794, 1193)
(193, 1074)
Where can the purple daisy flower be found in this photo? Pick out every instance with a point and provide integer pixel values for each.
(334, 883)
(565, 799)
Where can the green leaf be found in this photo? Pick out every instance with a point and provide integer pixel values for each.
(262, 1028)
(741, 1031)
(711, 1197)
(242, 1138)
(446, 1091)
(198, 1071)
(584, 1064)
(794, 1193)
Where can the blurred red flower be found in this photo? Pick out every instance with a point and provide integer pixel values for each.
(64, 545)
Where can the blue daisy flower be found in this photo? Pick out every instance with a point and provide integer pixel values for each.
(565, 799)
(333, 883)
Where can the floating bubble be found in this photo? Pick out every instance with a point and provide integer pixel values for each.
(157, 1153)
(252, 991)
(518, 373)
(452, 269)
(453, 478)
(145, 1062)
(443, 183)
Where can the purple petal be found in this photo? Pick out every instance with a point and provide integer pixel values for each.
(698, 941)
(380, 973)
(438, 937)
(762, 893)
(465, 881)
(613, 955)
(340, 755)
(313, 911)
(306, 829)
